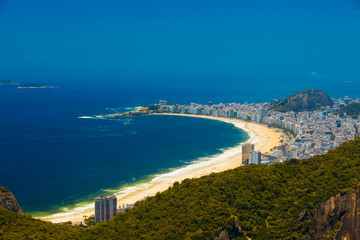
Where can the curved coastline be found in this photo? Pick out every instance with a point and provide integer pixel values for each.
(262, 137)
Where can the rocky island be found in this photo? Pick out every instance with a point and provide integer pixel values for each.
(35, 85)
(7, 82)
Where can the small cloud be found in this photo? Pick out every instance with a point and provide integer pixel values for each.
(313, 73)
(349, 81)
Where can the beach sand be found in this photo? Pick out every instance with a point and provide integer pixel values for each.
(262, 137)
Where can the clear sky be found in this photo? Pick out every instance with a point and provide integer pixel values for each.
(258, 39)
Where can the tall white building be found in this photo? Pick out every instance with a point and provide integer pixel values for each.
(255, 157)
(162, 102)
(105, 208)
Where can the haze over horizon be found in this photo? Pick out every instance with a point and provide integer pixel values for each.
(182, 43)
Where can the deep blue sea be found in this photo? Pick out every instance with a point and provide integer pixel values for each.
(51, 159)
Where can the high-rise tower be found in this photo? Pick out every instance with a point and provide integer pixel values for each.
(246, 148)
(255, 157)
(105, 208)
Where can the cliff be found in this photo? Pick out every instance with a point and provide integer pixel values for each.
(8, 201)
(337, 218)
(307, 100)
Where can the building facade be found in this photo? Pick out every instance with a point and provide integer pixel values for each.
(255, 157)
(162, 102)
(246, 148)
(105, 208)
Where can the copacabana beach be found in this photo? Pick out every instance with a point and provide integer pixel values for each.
(261, 136)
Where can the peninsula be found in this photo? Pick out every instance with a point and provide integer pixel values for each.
(139, 111)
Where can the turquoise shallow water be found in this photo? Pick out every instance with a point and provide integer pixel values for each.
(54, 161)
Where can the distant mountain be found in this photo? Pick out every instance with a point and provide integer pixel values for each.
(307, 100)
(8, 82)
(8, 201)
(35, 85)
(352, 109)
(316, 198)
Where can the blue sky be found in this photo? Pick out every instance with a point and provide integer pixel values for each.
(118, 40)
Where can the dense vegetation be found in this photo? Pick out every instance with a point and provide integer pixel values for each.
(307, 100)
(352, 109)
(15, 226)
(255, 201)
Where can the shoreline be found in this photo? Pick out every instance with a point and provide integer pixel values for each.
(262, 137)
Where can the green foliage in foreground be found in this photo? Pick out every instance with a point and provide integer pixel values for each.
(352, 109)
(264, 201)
(15, 226)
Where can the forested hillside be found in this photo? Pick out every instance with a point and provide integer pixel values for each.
(352, 109)
(307, 100)
(255, 201)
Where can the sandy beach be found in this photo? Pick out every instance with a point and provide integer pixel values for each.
(262, 137)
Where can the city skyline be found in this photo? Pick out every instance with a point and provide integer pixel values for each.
(307, 133)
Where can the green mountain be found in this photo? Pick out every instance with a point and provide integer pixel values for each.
(307, 100)
(352, 109)
(8, 82)
(300, 199)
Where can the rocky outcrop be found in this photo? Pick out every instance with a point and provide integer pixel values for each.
(8, 201)
(337, 218)
(233, 232)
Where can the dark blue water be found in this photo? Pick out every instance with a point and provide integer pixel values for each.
(50, 158)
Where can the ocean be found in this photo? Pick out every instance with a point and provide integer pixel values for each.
(53, 159)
